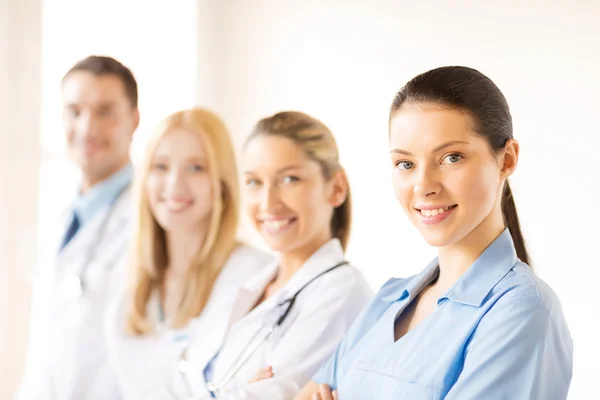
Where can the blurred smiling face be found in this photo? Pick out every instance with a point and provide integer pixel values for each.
(287, 197)
(179, 185)
(444, 174)
(99, 121)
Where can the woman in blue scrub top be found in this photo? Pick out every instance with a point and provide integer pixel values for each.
(476, 323)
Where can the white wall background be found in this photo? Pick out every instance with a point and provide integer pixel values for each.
(20, 51)
(342, 61)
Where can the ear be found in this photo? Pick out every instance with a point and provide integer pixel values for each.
(510, 158)
(339, 188)
(136, 120)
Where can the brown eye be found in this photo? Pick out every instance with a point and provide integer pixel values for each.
(290, 179)
(252, 183)
(159, 166)
(196, 168)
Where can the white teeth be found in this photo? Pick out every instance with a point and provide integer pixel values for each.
(177, 206)
(276, 224)
(434, 212)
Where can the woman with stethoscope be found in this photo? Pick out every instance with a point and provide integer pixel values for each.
(186, 263)
(288, 318)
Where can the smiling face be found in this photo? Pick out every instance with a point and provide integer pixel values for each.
(99, 122)
(179, 186)
(287, 197)
(445, 176)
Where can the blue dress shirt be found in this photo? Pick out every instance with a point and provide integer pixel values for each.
(498, 333)
(101, 195)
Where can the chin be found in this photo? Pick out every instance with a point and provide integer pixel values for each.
(436, 242)
(436, 238)
(178, 223)
(280, 246)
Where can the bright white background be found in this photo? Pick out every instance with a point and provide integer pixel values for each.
(342, 61)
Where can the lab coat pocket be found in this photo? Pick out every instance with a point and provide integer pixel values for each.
(389, 385)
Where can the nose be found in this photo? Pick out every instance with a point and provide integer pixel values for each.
(175, 182)
(269, 198)
(427, 182)
(86, 126)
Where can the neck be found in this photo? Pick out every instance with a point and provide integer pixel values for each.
(456, 259)
(89, 180)
(292, 261)
(182, 247)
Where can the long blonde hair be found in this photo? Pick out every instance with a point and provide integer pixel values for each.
(150, 257)
(318, 143)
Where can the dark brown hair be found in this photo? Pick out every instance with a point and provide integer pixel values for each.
(317, 141)
(102, 65)
(469, 90)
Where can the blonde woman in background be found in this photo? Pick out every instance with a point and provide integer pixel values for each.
(288, 318)
(186, 263)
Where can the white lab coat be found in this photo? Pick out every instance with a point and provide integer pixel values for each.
(321, 315)
(144, 365)
(66, 356)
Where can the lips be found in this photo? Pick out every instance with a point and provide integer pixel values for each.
(91, 148)
(276, 225)
(177, 205)
(435, 214)
(435, 211)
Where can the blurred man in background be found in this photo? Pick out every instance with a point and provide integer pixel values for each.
(66, 354)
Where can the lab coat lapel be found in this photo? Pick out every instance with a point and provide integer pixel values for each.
(87, 237)
(249, 293)
(236, 306)
(103, 251)
(327, 256)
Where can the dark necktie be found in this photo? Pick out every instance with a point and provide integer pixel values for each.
(71, 230)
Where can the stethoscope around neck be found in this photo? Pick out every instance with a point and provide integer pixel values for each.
(74, 284)
(249, 350)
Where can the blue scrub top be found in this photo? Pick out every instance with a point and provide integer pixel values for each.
(498, 333)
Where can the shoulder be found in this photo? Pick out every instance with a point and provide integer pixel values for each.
(344, 281)
(339, 295)
(522, 285)
(124, 206)
(243, 263)
(246, 257)
(524, 299)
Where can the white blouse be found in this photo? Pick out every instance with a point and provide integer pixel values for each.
(144, 365)
(320, 316)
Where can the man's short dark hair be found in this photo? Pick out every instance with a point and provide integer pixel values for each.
(102, 65)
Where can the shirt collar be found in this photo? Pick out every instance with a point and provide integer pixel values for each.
(413, 285)
(327, 256)
(485, 273)
(102, 194)
(474, 285)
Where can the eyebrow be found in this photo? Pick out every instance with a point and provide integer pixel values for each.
(165, 156)
(438, 148)
(280, 170)
(106, 104)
